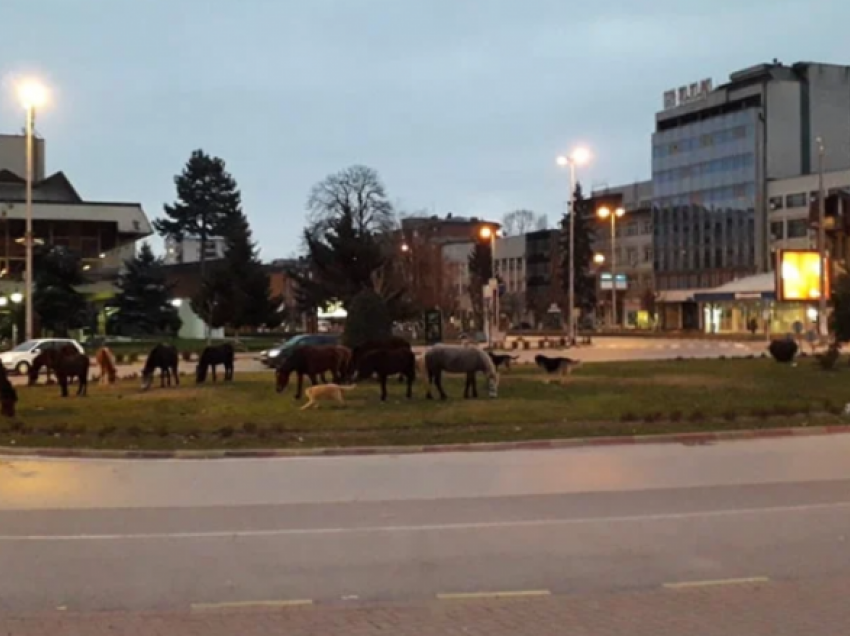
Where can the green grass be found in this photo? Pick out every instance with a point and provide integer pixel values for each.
(599, 399)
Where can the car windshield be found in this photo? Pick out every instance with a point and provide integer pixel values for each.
(26, 346)
(293, 342)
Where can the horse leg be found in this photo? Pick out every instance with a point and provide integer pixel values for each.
(176, 375)
(382, 377)
(63, 384)
(466, 386)
(81, 389)
(473, 380)
(215, 377)
(438, 380)
(301, 384)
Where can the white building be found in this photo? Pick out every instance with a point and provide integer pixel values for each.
(189, 250)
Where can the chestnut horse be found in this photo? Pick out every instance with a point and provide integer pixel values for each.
(312, 362)
(106, 361)
(67, 363)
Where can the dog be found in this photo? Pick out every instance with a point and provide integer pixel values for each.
(502, 359)
(326, 392)
(554, 365)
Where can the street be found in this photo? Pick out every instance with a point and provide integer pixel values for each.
(406, 535)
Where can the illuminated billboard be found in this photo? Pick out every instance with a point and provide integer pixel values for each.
(798, 276)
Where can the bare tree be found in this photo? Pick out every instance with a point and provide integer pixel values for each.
(542, 222)
(517, 222)
(356, 192)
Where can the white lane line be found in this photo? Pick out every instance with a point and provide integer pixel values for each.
(205, 607)
(481, 525)
(461, 596)
(683, 585)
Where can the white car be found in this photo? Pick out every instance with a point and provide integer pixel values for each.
(20, 358)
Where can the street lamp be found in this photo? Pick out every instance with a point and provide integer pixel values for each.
(32, 95)
(599, 258)
(578, 157)
(823, 328)
(487, 233)
(604, 213)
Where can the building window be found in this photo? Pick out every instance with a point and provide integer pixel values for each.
(647, 255)
(776, 203)
(646, 227)
(776, 231)
(798, 228)
(796, 200)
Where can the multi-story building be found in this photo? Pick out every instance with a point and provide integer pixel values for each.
(103, 234)
(714, 151)
(544, 284)
(633, 249)
(188, 250)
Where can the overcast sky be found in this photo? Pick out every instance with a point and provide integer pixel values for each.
(461, 105)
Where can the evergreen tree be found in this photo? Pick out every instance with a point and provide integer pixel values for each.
(144, 300)
(208, 200)
(585, 283)
(59, 305)
(841, 309)
(480, 272)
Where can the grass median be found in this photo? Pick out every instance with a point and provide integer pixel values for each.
(598, 400)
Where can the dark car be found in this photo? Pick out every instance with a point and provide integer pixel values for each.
(272, 357)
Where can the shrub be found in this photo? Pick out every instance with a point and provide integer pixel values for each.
(783, 350)
(368, 319)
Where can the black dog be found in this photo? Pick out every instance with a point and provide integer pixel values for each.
(554, 365)
(502, 359)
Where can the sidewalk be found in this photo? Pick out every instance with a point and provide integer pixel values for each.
(715, 608)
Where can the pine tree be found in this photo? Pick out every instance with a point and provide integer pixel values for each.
(480, 272)
(144, 300)
(840, 318)
(58, 304)
(585, 283)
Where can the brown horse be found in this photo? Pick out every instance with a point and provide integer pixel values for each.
(106, 361)
(393, 342)
(48, 359)
(8, 395)
(312, 362)
(386, 362)
(67, 364)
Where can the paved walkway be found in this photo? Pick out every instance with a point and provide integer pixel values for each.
(808, 608)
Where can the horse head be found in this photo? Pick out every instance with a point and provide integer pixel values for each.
(281, 378)
(147, 380)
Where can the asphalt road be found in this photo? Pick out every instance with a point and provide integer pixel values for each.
(90, 536)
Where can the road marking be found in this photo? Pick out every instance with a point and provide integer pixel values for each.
(204, 607)
(682, 585)
(482, 525)
(461, 596)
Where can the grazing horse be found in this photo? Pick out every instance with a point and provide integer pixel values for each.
(386, 362)
(393, 342)
(212, 357)
(67, 364)
(163, 357)
(312, 362)
(459, 359)
(8, 395)
(48, 359)
(106, 361)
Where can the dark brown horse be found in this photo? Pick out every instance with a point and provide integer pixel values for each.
(67, 363)
(212, 357)
(8, 395)
(387, 362)
(48, 359)
(312, 362)
(393, 342)
(163, 357)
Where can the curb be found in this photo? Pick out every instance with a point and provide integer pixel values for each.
(686, 439)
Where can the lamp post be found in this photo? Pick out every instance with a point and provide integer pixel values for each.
(604, 213)
(487, 233)
(32, 95)
(823, 328)
(579, 156)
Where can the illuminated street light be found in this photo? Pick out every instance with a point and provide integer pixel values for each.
(32, 94)
(405, 247)
(599, 259)
(578, 157)
(605, 213)
(16, 298)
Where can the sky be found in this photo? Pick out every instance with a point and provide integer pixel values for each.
(461, 105)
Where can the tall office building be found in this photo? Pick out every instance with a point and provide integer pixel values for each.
(714, 151)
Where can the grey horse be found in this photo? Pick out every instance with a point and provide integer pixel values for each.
(459, 359)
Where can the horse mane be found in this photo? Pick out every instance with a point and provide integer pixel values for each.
(492, 371)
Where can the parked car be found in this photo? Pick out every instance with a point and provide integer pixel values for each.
(272, 357)
(19, 358)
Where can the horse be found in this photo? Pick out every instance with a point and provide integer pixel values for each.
(459, 359)
(393, 342)
(106, 361)
(312, 362)
(67, 363)
(48, 358)
(163, 357)
(8, 395)
(386, 362)
(212, 357)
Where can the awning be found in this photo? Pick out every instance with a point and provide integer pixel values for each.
(758, 287)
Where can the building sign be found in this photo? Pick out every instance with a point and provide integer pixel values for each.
(798, 276)
(687, 94)
(605, 281)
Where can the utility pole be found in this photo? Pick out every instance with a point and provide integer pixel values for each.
(823, 256)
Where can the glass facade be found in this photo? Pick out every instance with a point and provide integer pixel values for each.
(704, 198)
